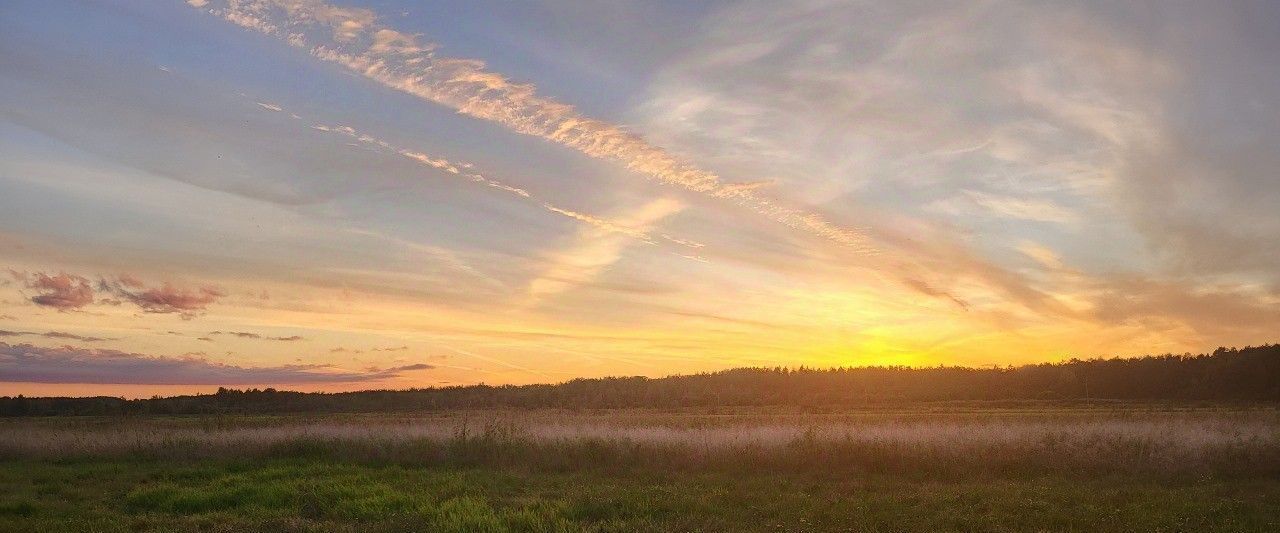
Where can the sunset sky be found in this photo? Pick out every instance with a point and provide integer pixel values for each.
(391, 193)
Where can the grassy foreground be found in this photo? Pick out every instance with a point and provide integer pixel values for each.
(1091, 470)
(302, 495)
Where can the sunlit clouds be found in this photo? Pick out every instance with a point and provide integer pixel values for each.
(400, 62)
(332, 196)
(60, 291)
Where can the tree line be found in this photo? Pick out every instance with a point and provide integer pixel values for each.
(1250, 374)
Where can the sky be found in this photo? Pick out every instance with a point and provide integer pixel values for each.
(361, 194)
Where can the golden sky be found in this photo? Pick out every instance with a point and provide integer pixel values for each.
(345, 196)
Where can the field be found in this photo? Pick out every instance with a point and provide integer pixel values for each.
(952, 468)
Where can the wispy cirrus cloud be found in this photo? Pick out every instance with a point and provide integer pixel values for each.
(468, 171)
(968, 127)
(353, 38)
(595, 248)
(25, 363)
(970, 203)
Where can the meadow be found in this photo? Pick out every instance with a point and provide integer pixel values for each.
(1044, 467)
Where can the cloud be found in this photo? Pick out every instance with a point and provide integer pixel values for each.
(61, 291)
(497, 361)
(165, 298)
(1042, 255)
(247, 335)
(72, 336)
(31, 364)
(66, 292)
(1005, 206)
(352, 38)
(1231, 315)
(466, 170)
(601, 223)
(596, 247)
(1206, 205)
(926, 289)
(410, 368)
(53, 335)
(1105, 130)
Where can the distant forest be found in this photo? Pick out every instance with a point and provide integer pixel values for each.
(1250, 374)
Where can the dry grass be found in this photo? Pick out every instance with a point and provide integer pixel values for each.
(1200, 443)
(633, 470)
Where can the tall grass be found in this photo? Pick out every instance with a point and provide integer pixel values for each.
(1215, 443)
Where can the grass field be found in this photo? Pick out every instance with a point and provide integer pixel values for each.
(953, 469)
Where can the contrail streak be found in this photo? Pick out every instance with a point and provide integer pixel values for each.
(353, 38)
(465, 170)
(512, 366)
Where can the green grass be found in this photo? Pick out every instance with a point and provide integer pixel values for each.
(1200, 470)
(306, 495)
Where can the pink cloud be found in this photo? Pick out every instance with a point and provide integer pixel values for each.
(61, 291)
(67, 292)
(166, 298)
